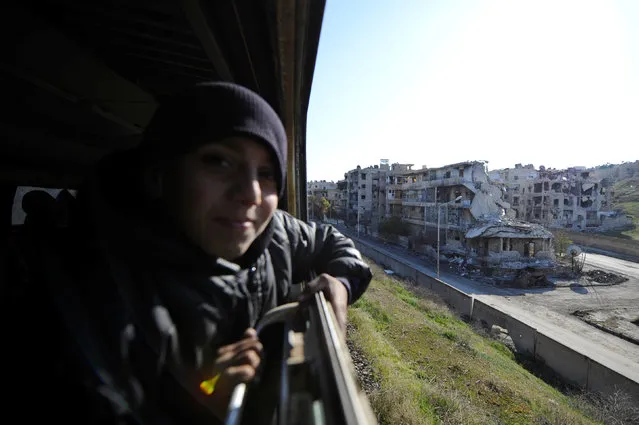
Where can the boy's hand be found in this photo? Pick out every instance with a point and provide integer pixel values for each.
(335, 293)
(238, 362)
(235, 363)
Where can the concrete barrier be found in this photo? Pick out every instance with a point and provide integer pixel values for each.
(572, 366)
(426, 281)
(566, 362)
(456, 299)
(524, 337)
(489, 315)
(606, 381)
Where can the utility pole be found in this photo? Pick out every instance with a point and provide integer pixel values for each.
(437, 206)
(358, 196)
(438, 216)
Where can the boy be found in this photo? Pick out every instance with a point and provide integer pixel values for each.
(177, 251)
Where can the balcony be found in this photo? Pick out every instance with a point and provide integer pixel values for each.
(462, 226)
(394, 201)
(452, 181)
(414, 202)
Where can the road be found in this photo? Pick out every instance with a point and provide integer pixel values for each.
(628, 268)
(548, 309)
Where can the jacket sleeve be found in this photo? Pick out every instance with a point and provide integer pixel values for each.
(317, 249)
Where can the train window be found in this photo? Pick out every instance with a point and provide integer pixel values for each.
(17, 214)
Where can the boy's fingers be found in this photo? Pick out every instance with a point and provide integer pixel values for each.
(237, 374)
(250, 333)
(249, 357)
(248, 353)
(316, 285)
(239, 346)
(228, 356)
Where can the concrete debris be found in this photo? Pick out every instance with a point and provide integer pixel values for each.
(501, 335)
(508, 228)
(518, 265)
(484, 205)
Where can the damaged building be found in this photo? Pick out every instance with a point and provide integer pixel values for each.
(510, 244)
(456, 196)
(573, 198)
(364, 192)
(460, 200)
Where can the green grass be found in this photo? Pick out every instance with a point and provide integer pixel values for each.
(627, 190)
(435, 369)
(627, 198)
(632, 209)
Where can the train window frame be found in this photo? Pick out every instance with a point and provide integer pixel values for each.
(17, 213)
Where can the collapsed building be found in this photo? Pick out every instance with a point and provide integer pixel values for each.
(456, 209)
(511, 251)
(573, 198)
(510, 244)
(492, 219)
(450, 198)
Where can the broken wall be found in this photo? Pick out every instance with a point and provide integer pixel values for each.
(484, 205)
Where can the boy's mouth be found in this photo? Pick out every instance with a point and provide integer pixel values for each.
(236, 223)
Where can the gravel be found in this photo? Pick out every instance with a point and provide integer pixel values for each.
(363, 369)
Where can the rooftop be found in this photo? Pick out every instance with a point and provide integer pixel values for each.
(508, 228)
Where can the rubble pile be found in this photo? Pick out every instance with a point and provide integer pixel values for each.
(601, 276)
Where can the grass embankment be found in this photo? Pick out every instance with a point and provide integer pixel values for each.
(435, 369)
(627, 198)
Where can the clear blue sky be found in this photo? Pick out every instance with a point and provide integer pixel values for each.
(434, 82)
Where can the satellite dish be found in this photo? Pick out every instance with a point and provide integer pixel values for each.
(573, 250)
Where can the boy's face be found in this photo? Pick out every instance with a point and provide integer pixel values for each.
(223, 195)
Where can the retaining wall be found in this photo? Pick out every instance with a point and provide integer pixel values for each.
(567, 363)
(607, 381)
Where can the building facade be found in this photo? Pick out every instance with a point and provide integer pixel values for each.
(318, 189)
(456, 209)
(450, 198)
(574, 198)
(509, 244)
(364, 191)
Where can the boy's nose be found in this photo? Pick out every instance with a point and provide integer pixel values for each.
(247, 190)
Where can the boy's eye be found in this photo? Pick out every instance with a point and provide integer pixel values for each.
(267, 174)
(216, 161)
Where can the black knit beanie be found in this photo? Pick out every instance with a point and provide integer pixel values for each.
(209, 112)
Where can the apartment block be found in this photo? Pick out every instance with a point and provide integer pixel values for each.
(364, 190)
(459, 200)
(318, 189)
(574, 198)
(456, 196)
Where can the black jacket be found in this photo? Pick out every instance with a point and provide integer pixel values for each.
(129, 317)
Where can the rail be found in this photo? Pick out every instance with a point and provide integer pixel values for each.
(308, 366)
